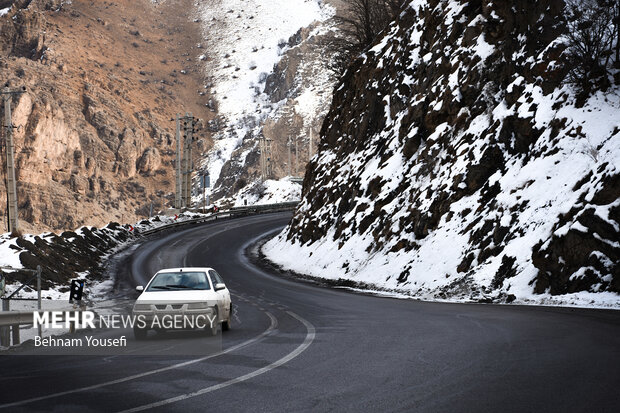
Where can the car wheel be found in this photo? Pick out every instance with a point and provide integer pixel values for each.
(213, 327)
(139, 333)
(227, 324)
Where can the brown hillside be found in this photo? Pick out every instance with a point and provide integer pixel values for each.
(95, 141)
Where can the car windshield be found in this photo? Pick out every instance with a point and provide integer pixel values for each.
(179, 281)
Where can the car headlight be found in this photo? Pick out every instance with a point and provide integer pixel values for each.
(141, 307)
(197, 306)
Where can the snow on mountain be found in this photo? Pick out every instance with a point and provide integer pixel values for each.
(270, 191)
(244, 40)
(299, 89)
(465, 168)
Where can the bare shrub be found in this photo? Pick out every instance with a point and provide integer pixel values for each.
(359, 24)
(593, 43)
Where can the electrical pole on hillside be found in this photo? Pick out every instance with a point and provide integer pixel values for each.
(310, 145)
(188, 129)
(178, 203)
(184, 164)
(296, 157)
(288, 145)
(11, 187)
(265, 158)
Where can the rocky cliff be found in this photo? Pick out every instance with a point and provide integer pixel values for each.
(94, 138)
(455, 162)
(300, 90)
(289, 97)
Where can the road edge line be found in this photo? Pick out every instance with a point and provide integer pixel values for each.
(310, 335)
(269, 330)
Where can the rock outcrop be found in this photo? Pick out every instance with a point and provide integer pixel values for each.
(455, 162)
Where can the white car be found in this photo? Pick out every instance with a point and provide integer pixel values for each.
(183, 298)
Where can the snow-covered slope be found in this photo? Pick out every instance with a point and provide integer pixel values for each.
(80, 253)
(456, 164)
(270, 191)
(244, 40)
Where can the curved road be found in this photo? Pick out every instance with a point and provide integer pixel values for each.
(299, 347)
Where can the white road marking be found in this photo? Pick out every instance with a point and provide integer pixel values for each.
(311, 333)
(272, 327)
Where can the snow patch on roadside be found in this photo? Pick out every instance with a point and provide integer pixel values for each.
(121, 236)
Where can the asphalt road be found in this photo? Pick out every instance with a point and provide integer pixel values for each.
(300, 347)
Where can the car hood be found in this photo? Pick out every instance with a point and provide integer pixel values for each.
(179, 296)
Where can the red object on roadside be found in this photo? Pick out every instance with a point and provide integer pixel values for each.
(176, 216)
(130, 228)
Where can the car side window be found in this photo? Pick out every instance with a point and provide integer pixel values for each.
(212, 278)
(215, 277)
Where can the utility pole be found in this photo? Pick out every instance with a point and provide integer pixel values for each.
(265, 158)
(10, 160)
(184, 165)
(205, 182)
(310, 145)
(269, 158)
(296, 157)
(189, 167)
(177, 196)
(289, 143)
(261, 143)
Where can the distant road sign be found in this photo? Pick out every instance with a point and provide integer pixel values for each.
(205, 181)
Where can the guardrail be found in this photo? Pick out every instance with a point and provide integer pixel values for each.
(9, 318)
(10, 322)
(231, 213)
(9, 325)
